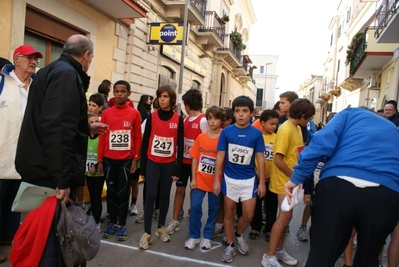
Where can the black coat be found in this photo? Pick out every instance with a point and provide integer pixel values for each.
(52, 145)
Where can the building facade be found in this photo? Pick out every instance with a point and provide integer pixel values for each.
(362, 66)
(214, 62)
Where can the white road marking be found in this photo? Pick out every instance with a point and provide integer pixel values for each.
(214, 246)
(174, 257)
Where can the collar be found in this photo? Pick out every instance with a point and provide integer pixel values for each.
(20, 84)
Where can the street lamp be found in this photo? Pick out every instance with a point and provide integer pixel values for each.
(267, 64)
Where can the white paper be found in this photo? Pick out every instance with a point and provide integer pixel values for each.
(30, 196)
(297, 195)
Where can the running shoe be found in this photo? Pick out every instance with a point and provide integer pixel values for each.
(270, 261)
(218, 232)
(302, 234)
(284, 257)
(254, 234)
(140, 218)
(242, 246)
(145, 241)
(122, 234)
(228, 254)
(105, 218)
(133, 209)
(110, 231)
(172, 227)
(191, 243)
(161, 233)
(206, 244)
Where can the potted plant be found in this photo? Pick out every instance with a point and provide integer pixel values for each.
(235, 37)
(225, 18)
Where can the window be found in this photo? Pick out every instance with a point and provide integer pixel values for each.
(259, 97)
(166, 77)
(45, 46)
(196, 84)
(262, 69)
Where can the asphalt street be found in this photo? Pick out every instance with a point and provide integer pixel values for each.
(126, 253)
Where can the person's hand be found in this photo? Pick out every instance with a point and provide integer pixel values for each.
(133, 168)
(174, 178)
(100, 169)
(63, 194)
(306, 199)
(261, 190)
(193, 184)
(216, 188)
(92, 170)
(98, 128)
(267, 178)
(288, 190)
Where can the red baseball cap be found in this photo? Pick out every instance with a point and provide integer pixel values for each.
(27, 50)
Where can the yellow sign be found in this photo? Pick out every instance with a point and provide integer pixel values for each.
(166, 33)
(175, 54)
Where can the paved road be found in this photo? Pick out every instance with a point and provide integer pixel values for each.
(120, 254)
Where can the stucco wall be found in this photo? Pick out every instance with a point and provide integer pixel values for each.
(5, 22)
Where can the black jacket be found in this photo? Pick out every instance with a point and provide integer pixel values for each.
(52, 145)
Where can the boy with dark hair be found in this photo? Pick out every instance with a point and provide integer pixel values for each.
(118, 152)
(268, 120)
(288, 145)
(238, 146)
(194, 125)
(203, 167)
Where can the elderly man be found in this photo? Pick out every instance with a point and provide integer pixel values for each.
(358, 186)
(52, 145)
(390, 112)
(16, 80)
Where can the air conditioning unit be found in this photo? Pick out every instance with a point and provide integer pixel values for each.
(373, 83)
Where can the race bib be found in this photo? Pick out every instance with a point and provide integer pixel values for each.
(162, 146)
(268, 151)
(91, 161)
(119, 140)
(207, 165)
(240, 154)
(188, 144)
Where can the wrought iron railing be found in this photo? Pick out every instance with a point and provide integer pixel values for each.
(213, 24)
(232, 47)
(384, 13)
(200, 6)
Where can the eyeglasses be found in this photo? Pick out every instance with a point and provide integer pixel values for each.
(30, 58)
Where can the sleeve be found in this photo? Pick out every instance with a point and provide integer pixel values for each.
(204, 125)
(101, 140)
(180, 146)
(222, 141)
(59, 124)
(260, 143)
(144, 146)
(282, 141)
(137, 137)
(194, 152)
(321, 148)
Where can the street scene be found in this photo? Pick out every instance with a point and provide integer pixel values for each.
(261, 132)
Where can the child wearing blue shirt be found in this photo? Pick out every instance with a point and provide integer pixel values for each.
(238, 146)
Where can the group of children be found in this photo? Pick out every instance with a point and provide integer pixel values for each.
(234, 164)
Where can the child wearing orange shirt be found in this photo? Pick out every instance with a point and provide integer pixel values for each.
(203, 168)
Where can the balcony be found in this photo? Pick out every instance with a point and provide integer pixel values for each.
(124, 10)
(387, 22)
(196, 11)
(231, 55)
(370, 56)
(213, 30)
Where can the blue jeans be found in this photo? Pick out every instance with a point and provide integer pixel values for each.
(9, 221)
(197, 196)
